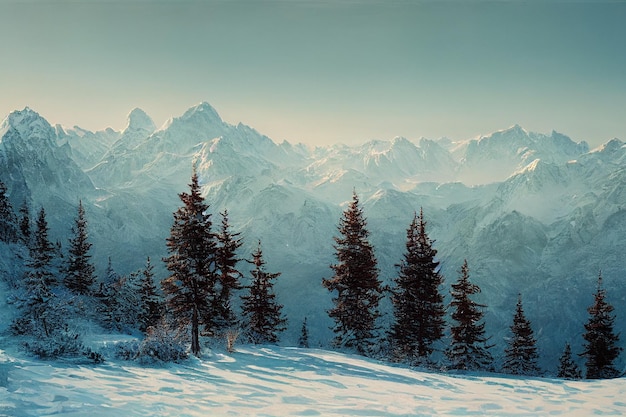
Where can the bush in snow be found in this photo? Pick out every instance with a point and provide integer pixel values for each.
(161, 344)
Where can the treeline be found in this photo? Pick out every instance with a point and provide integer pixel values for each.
(197, 301)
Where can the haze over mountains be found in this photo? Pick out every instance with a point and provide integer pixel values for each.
(533, 213)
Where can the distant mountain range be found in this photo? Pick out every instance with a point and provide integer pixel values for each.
(532, 213)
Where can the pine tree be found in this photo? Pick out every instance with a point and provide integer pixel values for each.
(262, 314)
(469, 349)
(151, 309)
(8, 220)
(106, 295)
(303, 341)
(520, 357)
(600, 348)
(567, 367)
(42, 252)
(40, 308)
(79, 272)
(127, 304)
(356, 282)
(190, 289)
(417, 302)
(228, 276)
(24, 223)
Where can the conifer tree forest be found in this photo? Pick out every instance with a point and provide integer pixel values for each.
(213, 295)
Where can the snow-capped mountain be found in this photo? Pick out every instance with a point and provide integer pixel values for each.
(532, 213)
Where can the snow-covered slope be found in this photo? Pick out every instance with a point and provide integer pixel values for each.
(532, 213)
(271, 381)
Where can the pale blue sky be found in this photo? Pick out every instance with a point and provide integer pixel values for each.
(323, 71)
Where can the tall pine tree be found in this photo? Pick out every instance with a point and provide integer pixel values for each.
(24, 223)
(8, 220)
(190, 288)
(356, 283)
(417, 302)
(151, 308)
(600, 347)
(79, 271)
(520, 356)
(469, 349)
(263, 318)
(228, 276)
(568, 369)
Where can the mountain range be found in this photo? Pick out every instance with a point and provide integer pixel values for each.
(534, 214)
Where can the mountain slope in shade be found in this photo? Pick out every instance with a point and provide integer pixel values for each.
(532, 213)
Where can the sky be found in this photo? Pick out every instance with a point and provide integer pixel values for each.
(322, 72)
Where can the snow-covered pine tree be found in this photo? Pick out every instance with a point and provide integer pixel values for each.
(127, 305)
(24, 223)
(568, 369)
(38, 297)
(417, 302)
(262, 315)
(303, 341)
(228, 276)
(520, 356)
(190, 288)
(468, 349)
(42, 251)
(356, 282)
(601, 348)
(106, 295)
(8, 220)
(79, 271)
(151, 308)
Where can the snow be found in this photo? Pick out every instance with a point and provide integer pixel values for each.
(280, 381)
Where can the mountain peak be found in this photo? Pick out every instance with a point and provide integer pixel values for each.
(203, 110)
(139, 120)
(28, 123)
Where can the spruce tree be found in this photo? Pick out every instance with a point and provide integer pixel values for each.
(190, 289)
(41, 312)
(600, 349)
(106, 294)
(262, 314)
(568, 369)
(303, 341)
(355, 282)
(228, 276)
(520, 357)
(42, 252)
(24, 223)
(417, 302)
(469, 349)
(8, 220)
(79, 271)
(151, 309)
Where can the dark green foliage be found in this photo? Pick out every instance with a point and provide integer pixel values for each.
(40, 310)
(24, 223)
(417, 302)
(355, 282)
(468, 349)
(79, 271)
(568, 369)
(228, 276)
(150, 303)
(191, 246)
(262, 314)
(601, 348)
(520, 357)
(8, 220)
(303, 341)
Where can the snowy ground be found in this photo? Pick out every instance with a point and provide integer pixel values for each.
(275, 381)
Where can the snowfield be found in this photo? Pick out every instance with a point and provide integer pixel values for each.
(279, 381)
